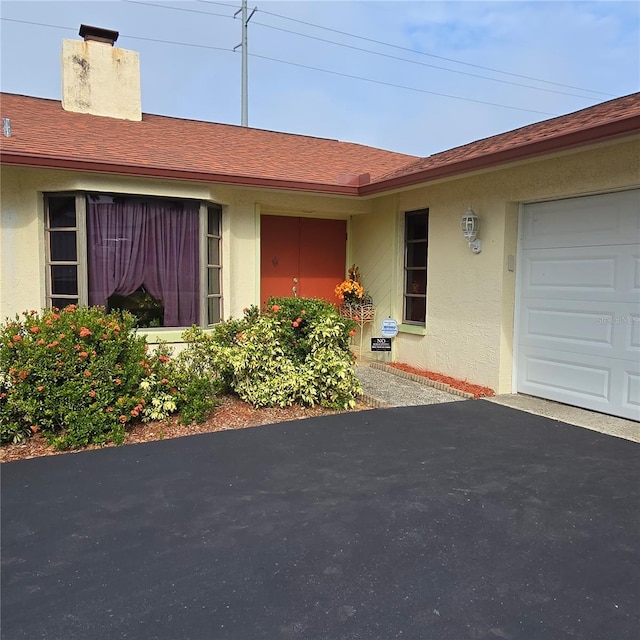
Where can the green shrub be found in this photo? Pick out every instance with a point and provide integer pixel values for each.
(73, 374)
(296, 350)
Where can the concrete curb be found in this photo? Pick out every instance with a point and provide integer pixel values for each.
(373, 402)
(420, 380)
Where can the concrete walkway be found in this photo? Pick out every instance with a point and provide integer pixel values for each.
(385, 387)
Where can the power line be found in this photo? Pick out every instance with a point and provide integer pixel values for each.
(416, 51)
(424, 64)
(295, 64)
(399, 86)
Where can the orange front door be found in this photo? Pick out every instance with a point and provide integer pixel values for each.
(301, 256)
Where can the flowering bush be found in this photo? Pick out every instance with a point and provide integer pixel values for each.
(73, 374)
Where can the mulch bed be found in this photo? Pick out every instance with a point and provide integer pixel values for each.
(476, 390)
(231, 414)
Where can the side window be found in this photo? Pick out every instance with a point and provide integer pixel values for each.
(62, 258)
(416, 243)
(214, 265)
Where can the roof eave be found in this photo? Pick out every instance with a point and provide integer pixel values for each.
(39, 161)
(592, 135)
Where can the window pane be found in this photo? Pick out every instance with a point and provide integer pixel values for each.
(62, 211)
(61, 303)
(213, 221)
(63, 246)
(213, 315)
(416, 282)
(64, 279)
(214, 281)
(415, 309)
(417, 254)
(213, 251)
(417, 227)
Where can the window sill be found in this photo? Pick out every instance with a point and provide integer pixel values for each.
(164, 334)
(413, 329)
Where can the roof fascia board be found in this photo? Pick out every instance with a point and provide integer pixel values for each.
(51, 162)
(583, 137)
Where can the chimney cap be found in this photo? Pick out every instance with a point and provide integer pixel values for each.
(98, 34)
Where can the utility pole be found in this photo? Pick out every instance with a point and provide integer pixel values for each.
(245, 68)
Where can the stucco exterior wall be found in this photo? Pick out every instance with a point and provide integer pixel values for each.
(22, 269)
(471, 298)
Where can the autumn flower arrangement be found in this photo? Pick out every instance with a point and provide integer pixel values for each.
(355, 302)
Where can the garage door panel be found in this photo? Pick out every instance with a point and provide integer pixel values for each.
(579, 222)
(597, 328)
(591, 273)
(579, 304)
(599, 384)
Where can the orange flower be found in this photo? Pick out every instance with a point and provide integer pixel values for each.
(17, 338)
(295, 324)
(62, 336)
(276, 308)
(87, 373)
(84, 332)
(83, 354)
(352, 332)
(40, 388)
(92, 393)
(109, 409)
(35, 329)
(164, 381)
(23, 374)
(123, 419)
(34, 428)
(69, 308)
(41, 341)
(134, 413)
(163, 358)
(117, 381)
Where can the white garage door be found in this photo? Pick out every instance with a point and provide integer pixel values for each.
(578, 330)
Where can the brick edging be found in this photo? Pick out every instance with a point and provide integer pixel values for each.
(420, 380)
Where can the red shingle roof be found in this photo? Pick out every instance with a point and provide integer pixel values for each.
(593, 124)
(45, 135)
(42, 129)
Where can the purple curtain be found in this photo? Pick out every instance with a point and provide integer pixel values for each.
(134, 243)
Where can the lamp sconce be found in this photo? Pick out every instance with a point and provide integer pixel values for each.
(470, 225)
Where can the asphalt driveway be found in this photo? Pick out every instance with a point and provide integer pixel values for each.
(446, 522)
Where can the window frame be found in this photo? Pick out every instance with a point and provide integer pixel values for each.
(408, 295)
(81, 262)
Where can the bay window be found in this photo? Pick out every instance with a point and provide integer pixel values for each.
(158, 258)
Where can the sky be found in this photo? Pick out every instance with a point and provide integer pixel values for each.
(414, 77)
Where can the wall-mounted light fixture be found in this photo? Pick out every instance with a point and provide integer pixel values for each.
(470, 225)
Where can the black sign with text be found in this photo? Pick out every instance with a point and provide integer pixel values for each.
(380, 344)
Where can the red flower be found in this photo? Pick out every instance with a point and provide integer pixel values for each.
(295, 324)
(276, 308)
(84, 332)
(17, 338)
(35, 329)
(352, 332)
(163, 358)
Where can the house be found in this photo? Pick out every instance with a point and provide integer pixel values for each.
(203, 220)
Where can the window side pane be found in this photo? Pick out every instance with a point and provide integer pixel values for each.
(63, 246)
(213, 281)
(213, 221)
(416, 227)
(64, 279)
(213, 251)
(62, 212)
(417, 254)
(213, 315)
(416, 283)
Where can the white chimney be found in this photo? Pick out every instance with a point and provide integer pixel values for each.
(98, 78)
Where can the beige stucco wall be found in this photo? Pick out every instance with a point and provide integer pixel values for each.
(22, 272)
(471, 298)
